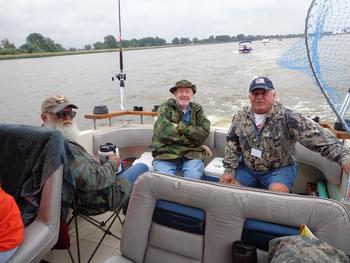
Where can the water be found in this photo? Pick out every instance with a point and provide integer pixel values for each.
(222, 76)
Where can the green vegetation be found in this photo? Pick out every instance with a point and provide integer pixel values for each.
(37, 45)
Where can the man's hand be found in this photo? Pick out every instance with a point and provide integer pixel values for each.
(227, 178)
(174, 125)
(115, 158)
(346, 168)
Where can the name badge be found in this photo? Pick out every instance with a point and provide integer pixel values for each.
(256, 152)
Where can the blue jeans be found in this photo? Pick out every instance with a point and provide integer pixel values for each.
(133, 172)
(285, 175)
(7, 254)
(190, 168)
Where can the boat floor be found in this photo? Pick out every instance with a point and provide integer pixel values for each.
(89, 236)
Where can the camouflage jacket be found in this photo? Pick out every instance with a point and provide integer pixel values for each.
(276, 140)
(98, 189)
(170, 143)
(299, 249)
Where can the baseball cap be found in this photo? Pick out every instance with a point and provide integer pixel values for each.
(56, 104)
(183, 84)
(261, 83)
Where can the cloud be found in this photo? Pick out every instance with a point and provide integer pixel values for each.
(76, 23)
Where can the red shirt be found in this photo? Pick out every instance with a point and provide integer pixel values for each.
(11, 224)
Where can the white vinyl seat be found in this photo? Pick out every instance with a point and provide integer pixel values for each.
(227, 211)
(42, 234)
(32, 164)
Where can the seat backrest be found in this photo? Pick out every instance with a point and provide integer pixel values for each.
(124, 137)
(227, 210)
(331, 170)
(42, 234)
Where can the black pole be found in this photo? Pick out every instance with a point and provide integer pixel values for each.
(120, 39)
(121, 76)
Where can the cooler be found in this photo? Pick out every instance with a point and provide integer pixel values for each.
(214, 169)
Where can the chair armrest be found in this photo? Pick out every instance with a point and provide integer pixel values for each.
(42, 234)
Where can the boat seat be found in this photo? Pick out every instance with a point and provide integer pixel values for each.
(42, 234)
(331, 170)
(124, 137)
(224, 212)
(147, 157)
(32, 169)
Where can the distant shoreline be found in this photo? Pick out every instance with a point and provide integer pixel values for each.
(82, 52)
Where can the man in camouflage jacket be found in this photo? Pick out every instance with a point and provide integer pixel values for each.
(260, 149)
(179, 132)
(96, 186)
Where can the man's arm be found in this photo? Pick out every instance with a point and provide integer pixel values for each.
(164, 129)
(318, 139)
(233, 153)
(196, 133)
(89, 174)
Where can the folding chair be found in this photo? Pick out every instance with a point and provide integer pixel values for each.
(104, 225)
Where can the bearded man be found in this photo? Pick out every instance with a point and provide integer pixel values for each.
(97, 187)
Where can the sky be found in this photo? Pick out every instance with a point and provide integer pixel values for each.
(75, 23)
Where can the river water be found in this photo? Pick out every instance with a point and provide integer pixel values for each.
(221, 74)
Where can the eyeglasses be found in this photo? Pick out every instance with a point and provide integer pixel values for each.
(64, 114)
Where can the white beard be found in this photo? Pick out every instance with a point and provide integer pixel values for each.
(70, 131)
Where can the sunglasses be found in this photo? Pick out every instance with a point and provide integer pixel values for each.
(64, 114)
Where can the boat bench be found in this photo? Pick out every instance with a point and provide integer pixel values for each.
(330, 170)
(130, 137)
(193, 221)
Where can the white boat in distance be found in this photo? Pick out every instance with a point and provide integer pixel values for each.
(265, 41)
(245, 46)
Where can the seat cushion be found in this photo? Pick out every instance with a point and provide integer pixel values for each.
(118, 259)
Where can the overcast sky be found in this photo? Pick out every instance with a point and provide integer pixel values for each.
(74, 23)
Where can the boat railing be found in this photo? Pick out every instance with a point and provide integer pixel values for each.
(339, 134)
(114, 114)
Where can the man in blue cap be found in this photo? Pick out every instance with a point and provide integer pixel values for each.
(260, 149)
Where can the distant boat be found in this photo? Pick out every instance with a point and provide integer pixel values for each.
(245, 46)
(265, 41)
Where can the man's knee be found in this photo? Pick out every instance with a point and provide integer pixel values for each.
(164, 167)
(140, 167)
(193, 169)
(278, 187)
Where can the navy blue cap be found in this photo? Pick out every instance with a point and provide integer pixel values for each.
(261, 83)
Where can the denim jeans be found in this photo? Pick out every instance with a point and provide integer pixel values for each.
(285, 175)
(133, 172)
(190, 168)
(6, 255)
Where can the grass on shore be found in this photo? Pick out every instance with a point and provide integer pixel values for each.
(79, 52)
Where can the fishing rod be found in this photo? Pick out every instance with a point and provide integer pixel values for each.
(121, 76)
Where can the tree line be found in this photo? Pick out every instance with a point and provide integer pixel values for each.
(37, 43)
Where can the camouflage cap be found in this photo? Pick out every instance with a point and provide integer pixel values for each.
(56, 104)
(183, 84)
